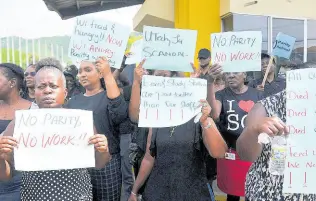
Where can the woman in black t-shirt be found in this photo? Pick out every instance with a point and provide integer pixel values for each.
(230, 108)
(104, 98)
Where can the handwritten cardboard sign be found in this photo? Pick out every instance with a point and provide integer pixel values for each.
(136, 53)
(283, 45)
(300, 166)
(167, 102)
(93, 38)
(53, 139)
(168, 49)
(237, 51)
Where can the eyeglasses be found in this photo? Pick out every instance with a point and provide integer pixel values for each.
(30, 73)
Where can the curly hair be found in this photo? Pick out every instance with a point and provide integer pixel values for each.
(48, 62)
(12, 71)
(51, 64)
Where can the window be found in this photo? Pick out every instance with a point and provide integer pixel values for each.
(291, 27)
(240, 22)
(311, 40)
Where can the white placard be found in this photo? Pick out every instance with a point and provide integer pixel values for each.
(300, 169)
(136, 52)
(237, 51)
(53, 139)
(167, 102)
(93, 38)
(168, 49)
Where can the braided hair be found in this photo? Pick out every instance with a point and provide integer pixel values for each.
(12, 71)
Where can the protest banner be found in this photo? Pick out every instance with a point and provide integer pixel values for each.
(300, 160)
(167, 102)
(168, 49)
(135, 53)
(93, 38)
(237, 51)
(53, 139)
(283, 45)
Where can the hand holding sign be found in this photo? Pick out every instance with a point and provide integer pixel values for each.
(103, 66)
(100, 143)
(260, 87)
(214, 71)
(206, 110)
(7, 145)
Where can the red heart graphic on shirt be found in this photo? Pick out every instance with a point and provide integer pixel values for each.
(246, 105)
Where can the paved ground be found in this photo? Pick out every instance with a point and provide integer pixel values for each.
(220, 196)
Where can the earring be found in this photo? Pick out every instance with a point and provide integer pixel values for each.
(11, 86)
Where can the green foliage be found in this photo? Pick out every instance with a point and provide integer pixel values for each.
(16, 57)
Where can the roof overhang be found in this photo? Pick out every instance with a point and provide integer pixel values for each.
(71, 8)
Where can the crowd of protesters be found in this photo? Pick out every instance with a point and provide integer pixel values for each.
(157, 164)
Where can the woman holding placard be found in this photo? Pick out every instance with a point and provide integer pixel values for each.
(230, 109)
(174, 160)
(68, 184)
(109, 107)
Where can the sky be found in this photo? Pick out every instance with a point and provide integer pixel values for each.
(32, 19)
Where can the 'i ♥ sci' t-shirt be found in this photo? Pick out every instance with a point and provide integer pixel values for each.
(235, 108)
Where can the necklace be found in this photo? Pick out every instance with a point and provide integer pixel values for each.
(101, 89)
(10, 107)
(172, 130)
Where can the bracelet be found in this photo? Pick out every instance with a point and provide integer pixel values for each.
(209, 125)
(133, 193)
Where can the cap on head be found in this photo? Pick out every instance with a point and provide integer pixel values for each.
(204, 53)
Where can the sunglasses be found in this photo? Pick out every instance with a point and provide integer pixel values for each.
(31, 74)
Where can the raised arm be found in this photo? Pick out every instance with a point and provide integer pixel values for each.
(117, 105)
(216, 105)
(7, 144)
(145, 168)
(135, 94)
(247, 144)
(213, 141)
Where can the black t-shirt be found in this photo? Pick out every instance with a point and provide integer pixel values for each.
(270, 88)
(108, 114)
(235, 108)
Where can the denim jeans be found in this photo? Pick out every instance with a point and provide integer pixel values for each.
(126, 167)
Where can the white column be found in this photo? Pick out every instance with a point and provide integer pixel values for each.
(57, 52)
(52, 50)
(33, 51)
(20, 50)
(8, 47)
(39, 49)
(12, 49)
(27, 51)
(46, 49)
(62, 54)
